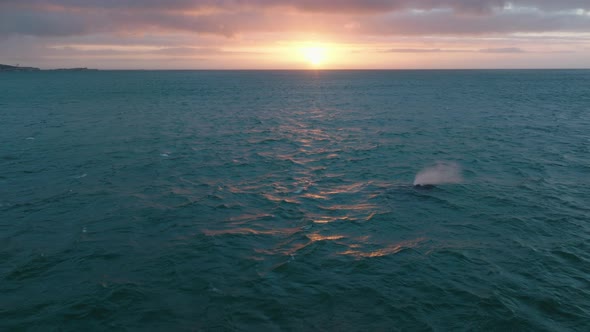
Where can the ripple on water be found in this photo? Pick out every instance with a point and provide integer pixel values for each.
(284, 201)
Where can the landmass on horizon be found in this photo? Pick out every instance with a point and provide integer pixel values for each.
(5, 68)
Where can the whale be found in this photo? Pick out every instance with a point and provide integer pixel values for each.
(424, 186)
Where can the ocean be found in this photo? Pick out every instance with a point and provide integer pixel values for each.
(286, 200)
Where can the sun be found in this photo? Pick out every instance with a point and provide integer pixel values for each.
(315, 55)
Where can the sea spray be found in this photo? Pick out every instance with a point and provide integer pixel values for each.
(440, 173)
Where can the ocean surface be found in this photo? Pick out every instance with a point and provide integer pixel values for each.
(285, 201)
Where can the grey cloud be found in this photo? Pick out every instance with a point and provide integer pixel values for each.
(340, 6)
(231, 17)
(444, 23)
(66, 24)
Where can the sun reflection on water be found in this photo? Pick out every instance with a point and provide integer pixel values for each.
(385, 251)
(309, 198)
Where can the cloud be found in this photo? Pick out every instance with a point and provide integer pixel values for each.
(40, 19)
(423, 50)
(439, 50)
(337, 7)
(502, 50)
(155, 51)
(204, 28)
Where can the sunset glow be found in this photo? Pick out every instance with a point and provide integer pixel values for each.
(249, 34)
(314, 55)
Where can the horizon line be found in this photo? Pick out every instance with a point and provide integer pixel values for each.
(309, 69)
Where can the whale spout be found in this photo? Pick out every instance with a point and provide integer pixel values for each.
(440, 173)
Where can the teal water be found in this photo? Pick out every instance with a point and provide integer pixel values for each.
(278, 200)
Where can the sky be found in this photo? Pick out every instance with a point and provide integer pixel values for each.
(295, 34)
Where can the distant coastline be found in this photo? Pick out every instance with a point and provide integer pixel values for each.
(7, 68)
